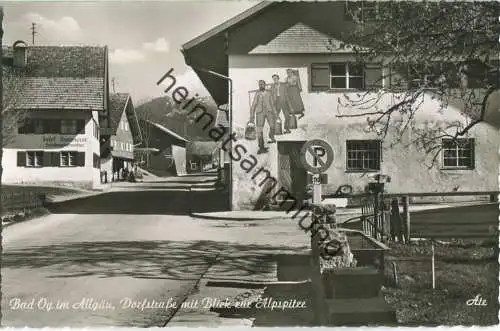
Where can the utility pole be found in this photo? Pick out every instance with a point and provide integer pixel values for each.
(33, 32)
(113, 80)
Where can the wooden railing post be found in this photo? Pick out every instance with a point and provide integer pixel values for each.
(406, 212)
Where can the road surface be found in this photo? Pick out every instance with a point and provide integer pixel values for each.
(94, 261)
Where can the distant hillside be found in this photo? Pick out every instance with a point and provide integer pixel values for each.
(165, 111)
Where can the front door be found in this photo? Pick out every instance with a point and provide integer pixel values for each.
(291, 173)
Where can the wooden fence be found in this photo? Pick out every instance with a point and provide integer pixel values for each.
(459, 222)
(21, 201)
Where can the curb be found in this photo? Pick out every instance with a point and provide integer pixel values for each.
(83, 196)
(229, 218)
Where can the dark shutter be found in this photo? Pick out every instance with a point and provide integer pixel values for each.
(47, 159)
(55, 159)
(51, 159)
(399, 76)
(80, 126)
(320, 76)
(373, 76)
(380, 153)
(80, 159)
(21, 159)
(472, 153)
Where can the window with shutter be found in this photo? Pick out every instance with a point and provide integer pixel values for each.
(341, 75)
(69, 159)
(34, 159)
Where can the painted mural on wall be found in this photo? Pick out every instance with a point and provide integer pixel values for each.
(279, 104)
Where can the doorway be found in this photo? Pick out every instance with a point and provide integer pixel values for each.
(291, 173)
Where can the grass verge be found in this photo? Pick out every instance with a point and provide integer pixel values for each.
(463, 271)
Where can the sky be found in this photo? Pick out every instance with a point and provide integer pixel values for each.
(144, 37)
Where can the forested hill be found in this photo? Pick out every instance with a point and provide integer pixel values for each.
(165, 111)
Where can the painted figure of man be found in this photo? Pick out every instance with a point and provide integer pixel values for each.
(263, 109)
(278, 91)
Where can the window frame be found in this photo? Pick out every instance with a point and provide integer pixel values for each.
(35, 158)
(73, 126)
(377, 159)
(33, 124)
(460, 144)
(68, 153)
(347, 76)
(315, 87)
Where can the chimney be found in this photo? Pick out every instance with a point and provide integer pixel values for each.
(20, 54)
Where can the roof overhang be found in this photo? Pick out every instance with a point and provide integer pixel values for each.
(146, 149)
(214, 42)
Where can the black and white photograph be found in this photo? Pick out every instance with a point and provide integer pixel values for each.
(250, 163)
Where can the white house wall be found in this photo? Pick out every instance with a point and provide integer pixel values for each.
(179, 155)
(407, 166)
(86, 176)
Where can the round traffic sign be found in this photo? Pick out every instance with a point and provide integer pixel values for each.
(317, 149)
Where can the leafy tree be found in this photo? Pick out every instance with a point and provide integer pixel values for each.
(442, 51)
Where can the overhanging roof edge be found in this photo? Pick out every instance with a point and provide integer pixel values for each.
(226, 25)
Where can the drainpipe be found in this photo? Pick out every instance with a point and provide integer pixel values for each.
(230, 120)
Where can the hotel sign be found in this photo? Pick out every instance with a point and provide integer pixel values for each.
(51, 141)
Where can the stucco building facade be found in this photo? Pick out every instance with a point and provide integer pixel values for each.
(51, 122)
(120, 134)
(300, 43)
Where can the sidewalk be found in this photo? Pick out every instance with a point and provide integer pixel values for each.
(102, 188)
(256, 215)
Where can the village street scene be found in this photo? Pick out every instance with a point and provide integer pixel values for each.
(250, 164)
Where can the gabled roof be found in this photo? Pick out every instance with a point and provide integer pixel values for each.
(301, 38)
(240, 18)
(117, 104)
(59, 77)
(63, 61)
(214, 40)
(208, 53)
(60, 93)
(165, 130)
(202, 148)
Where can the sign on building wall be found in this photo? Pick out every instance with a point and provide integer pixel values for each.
(51, 141)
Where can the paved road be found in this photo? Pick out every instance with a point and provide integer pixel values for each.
(127, 243)
(92, 254)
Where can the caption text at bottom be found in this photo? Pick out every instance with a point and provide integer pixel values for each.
(47, 305)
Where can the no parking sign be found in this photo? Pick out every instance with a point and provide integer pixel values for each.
(316, 155)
